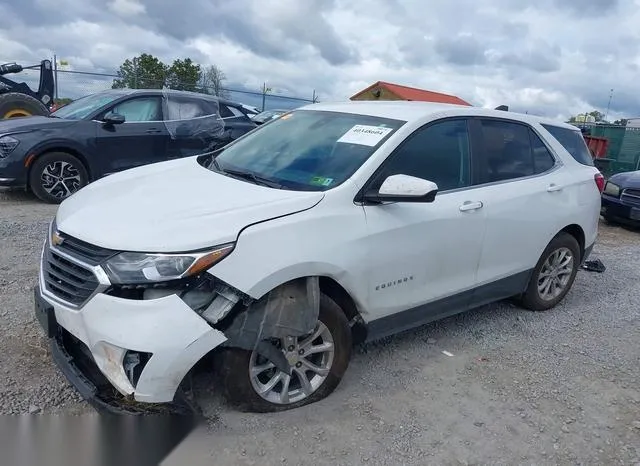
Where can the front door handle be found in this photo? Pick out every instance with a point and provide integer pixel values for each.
(553, 188)
(153, 131)
(469, 205)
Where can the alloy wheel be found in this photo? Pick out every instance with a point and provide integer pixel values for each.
(310, 359)
(555, 274)
(60, 179)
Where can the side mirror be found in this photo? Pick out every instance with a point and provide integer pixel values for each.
(113, 118)
(404, 188)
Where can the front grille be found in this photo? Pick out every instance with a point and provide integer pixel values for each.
(84, 252)
(67, 280)
(631, 197)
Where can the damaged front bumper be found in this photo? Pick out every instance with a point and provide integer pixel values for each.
(94, 347)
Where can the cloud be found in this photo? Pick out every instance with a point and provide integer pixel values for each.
(127, 7)
(551, 57)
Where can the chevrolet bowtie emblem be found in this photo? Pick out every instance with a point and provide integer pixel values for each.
(56, 239)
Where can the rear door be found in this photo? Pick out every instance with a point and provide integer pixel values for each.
(520, 184)
(194, 125)
(237, 123)
(140, 140)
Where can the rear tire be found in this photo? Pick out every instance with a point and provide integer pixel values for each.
(14, 104)
(57, 175)
(554, 274)
(240, 387)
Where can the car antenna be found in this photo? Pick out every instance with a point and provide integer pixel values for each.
(504, 108)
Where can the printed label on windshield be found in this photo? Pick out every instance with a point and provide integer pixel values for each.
(365, 135)
(321, 181)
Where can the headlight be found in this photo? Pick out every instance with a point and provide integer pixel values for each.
(7, 145)
(612, 189)
(133, 268)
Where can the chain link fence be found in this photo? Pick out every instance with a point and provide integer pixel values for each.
(71, 85)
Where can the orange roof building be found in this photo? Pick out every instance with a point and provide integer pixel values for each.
(388, 91)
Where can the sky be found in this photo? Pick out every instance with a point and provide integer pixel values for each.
(548, 57)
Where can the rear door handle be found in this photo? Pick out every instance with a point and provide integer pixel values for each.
(469, 205)
(552, 188)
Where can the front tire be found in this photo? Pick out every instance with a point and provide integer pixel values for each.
(253, 384)
(554, 274)
(56, 176)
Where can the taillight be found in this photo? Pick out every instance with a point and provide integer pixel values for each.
(600, 182)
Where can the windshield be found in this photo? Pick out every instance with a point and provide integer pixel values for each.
(308, 150)
(85, 106)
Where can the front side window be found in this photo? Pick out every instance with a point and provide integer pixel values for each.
(506, 151)
(86, 106)
(140, 109)
(308, 150)
(438, 152)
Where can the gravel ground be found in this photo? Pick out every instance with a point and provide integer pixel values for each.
(521, 388)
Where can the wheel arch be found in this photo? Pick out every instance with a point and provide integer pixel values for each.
(343, 299)
(31, 158)
(328, 286)
(577, 232)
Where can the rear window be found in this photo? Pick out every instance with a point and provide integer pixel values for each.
(573, 142)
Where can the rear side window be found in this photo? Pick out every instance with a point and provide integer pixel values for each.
(506, 150)
(573, 142)
(542, 159)
(184, 108)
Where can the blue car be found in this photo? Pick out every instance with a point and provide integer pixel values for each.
(621, 198)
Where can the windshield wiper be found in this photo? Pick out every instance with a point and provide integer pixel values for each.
(250, 176)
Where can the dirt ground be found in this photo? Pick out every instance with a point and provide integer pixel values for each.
(559, 387)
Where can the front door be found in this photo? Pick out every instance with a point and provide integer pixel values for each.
(140, 140)
(423, 257)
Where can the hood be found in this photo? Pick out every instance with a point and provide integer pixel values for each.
(627, 179)
(32, 123)
(174, 206)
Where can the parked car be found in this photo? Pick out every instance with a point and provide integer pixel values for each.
(332, 225)
(109, 132)
(621, 198)
(267, 115)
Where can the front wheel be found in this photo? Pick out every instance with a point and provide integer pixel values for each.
(554, 274)
(56, 176)
(317, 361)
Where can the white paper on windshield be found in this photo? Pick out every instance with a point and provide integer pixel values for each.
(365, 135)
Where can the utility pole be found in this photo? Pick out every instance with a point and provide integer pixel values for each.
(265, 89)
(135, 72)
(55, 78)
(608, 105)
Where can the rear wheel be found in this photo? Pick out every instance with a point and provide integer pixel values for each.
(554, 274)
(317, 361)
(56, 176)
(14, 105)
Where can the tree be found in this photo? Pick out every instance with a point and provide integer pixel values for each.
(183, 75)
(212, 81)
(143, 72)
(621, 122)
(594, 116)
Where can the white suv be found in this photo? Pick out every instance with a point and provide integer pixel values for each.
(332, 225)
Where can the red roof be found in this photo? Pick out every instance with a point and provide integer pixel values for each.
(412, 93)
